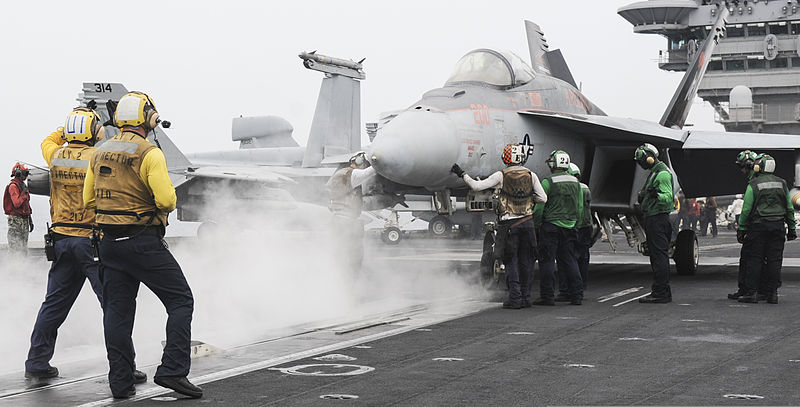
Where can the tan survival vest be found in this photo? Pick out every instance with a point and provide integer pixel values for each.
(345, 200)
(67, 172)
(516, 195)
(121, 195)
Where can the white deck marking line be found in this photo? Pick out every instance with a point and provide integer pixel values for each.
(632, 299)
(618, 294)
(227, 373)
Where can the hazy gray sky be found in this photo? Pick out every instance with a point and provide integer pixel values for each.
(205, 62)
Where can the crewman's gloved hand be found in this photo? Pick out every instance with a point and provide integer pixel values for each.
(740, 234)
(639, 197)
(652, 192)
(30, 225)
(791, 234)
(455, 169)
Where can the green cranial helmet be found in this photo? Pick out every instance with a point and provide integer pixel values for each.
(574, 170)
(558, 160)
(645, 150)
(764, 163)
(746, 159)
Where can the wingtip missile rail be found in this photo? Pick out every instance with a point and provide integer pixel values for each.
(331, 65)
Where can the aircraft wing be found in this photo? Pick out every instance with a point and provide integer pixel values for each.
(712, 153)
(256, 174)
(716, 140)
(611, 130)
(691, 153)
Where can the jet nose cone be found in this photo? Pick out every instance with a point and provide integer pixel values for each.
(416, 148)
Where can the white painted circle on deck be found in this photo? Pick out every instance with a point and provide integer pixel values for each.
(325, 369)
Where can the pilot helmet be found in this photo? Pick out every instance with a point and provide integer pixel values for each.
(514, 154)
(558, 160)
(83, 124)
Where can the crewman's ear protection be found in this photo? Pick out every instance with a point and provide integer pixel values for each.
(19, 170)
(646, 154)
(764, 163)
(136, 109)
(83, 124)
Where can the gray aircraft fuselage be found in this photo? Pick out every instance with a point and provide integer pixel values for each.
(469, 123)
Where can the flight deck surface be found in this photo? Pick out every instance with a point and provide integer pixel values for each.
(458, 348)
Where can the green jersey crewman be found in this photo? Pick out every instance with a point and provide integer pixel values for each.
(556, 221)
(585, 241)
(745, 160)
(766, 208)
(657, 200)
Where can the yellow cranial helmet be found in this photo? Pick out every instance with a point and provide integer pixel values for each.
(136, 109)
(83, 124)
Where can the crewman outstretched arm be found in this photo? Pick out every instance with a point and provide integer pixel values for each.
(52, 143)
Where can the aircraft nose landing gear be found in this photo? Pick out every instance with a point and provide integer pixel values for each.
(492, 272)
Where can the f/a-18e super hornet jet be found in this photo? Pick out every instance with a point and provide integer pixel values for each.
(494, 98)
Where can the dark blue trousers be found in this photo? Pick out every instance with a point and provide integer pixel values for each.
(125, 264)
(582, 246)
(518, 259)
(659, 231)
(558, 243)
(72, 266)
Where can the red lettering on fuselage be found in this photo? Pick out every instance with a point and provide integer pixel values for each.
(535, 99)
(481, 114)
(575, 99)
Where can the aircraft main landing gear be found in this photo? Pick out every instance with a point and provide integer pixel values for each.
(687, 253)
(492, 272)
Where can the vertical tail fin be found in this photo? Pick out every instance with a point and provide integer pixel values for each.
(559, 67)
(336, 128)
(177, 163)
(678, 109)
(537, 45)
(102, 93)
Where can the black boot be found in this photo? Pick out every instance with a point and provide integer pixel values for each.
(139, 377)
(749, 298)
(180, 385)
(735, 296)
(48, 373)
(655, 300)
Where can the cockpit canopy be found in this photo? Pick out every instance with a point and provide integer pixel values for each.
(496, 68)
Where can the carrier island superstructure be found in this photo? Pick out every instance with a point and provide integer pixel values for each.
(753, 78)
